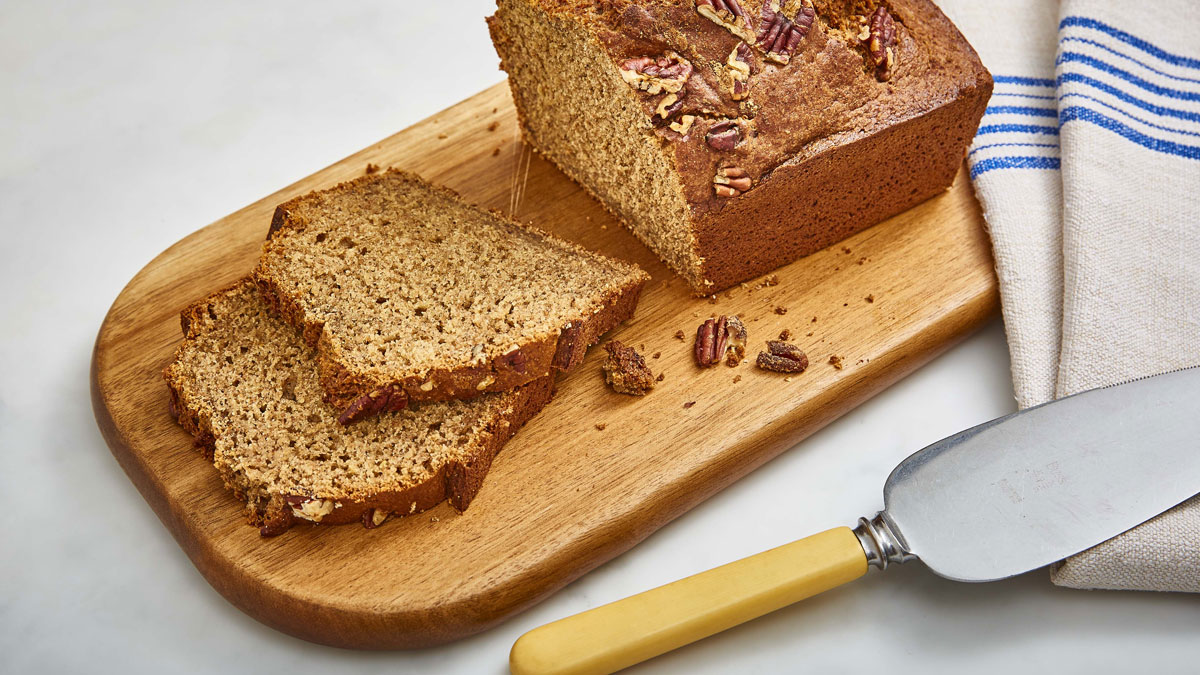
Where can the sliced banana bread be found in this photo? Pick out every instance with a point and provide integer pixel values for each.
(245, 385)
(734, 136)
(408, 293)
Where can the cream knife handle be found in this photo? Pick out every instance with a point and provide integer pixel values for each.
(629, 631)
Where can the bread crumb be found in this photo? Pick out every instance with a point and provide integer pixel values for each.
(656, 355)
(689, 404)
(781, 310)
(604, 227)
(434, 519)
(788, 378)
(660, 377)
(494, 110)
(845, 304)
(870, 298)
(625, 370)
(496, 152)
(862, 260)
(771, 280)
(846, 250)
(808, 335)
(737, 378)
(372, 168)
(814, 319)
(679, 335)
(443, 136)
(493, 126)
(785, 335)
(601, 426)
(836, 362)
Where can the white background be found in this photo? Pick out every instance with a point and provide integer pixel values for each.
(128, 125)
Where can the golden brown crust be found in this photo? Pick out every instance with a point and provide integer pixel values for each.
(345, 386)
(457, 481)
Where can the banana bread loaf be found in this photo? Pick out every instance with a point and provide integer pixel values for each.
(733, 136)
(245, 385)
(409, 294)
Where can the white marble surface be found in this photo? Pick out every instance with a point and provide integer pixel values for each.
(127, 125)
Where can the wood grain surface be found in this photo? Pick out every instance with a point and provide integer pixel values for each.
(565, 495)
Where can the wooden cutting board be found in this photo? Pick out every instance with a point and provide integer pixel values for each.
(565, 495)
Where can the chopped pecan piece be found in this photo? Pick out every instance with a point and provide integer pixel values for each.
(731, 181)
(726, 13)
(724, 135)
(385, 399)
(652, 75)
(715, 338)
(881, 43)
(738, 68)
(683, 125)
(668, 107)
(625, 370)
(736, 351)
(782, 357)
(782, 26)
(711, 339)
(373, 518)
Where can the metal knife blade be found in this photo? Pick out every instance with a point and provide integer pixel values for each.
(1026, 490)
(1000, 499)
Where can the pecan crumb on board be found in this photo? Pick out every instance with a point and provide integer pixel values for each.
(781, 310)
(372, 168)
(679, 335)
(836, 362)
(870, 298)
(625, 370)
(601, 426)
(689, 404)
(782, 357)
(785, 335)
(718, 338)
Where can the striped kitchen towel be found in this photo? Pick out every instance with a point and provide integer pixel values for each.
(1128, 82)
(1014, 164)
(1087, 165)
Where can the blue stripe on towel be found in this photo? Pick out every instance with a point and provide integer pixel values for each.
(1013, 93)
(1011, 145)
(1132, 40)
(1023, 128)
(1131, 116)
(1161, 111)
(993, 163)
(1020, 110)
(1024, 81)
(1167, 92)
(1110, 50)
(1079, 113)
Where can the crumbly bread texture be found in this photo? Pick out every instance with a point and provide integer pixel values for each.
(733, 136)
(410, 294)
(245, 385)
(625, 370)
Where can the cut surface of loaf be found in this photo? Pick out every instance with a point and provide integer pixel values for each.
(410, 294)
(245, 385)
(734, 136)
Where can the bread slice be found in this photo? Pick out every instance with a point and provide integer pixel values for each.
(408, 293)
(245, 385)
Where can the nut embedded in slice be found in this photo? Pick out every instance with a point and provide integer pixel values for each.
(782, 26)
(881, 43)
